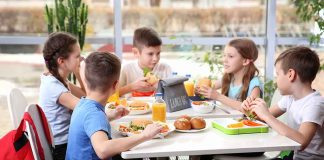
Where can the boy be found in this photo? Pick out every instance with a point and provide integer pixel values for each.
(296, 68)
(147, 48)
(90, 131)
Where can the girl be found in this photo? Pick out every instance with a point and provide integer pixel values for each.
(240, 75)
(57, 95)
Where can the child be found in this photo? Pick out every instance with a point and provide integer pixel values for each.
(296, 68)
(240, 78)
(147, 48)
(90, 131)
(57, 95)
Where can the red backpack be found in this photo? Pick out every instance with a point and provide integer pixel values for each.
(15, 145)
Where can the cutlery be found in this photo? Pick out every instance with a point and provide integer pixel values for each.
(224, 110)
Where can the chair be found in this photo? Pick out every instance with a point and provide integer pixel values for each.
(32, 141)
(16, 104)
(32, 109)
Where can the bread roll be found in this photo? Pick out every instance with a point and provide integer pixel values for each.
(198, 123)
(182, 124)
(185, 116)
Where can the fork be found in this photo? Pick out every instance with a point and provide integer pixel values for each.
(224, 110)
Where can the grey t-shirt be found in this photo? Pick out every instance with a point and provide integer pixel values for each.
(57, 115)
(307, 109)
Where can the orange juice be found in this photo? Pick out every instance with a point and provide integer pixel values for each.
(114, 98)
(159, 112)
(190, 87)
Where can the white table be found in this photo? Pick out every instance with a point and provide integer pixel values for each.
(216, 113)
(209, 141)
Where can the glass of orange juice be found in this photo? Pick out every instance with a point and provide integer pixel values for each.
(159, 109)
(190, 88)
(114, 98)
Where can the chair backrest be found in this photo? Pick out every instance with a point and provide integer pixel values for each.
(32, 141)
(35, 115)
(17, 104)
(275, 99)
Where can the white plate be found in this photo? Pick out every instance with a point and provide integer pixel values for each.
(191, 130)
(160, 135)
(137, 112)
(117, 128)
(132, 112)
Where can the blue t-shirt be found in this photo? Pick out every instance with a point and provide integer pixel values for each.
(58, 116)
(88, 117)
(234, 91)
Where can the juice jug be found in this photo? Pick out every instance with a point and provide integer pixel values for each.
(159, 108)
(189, 86)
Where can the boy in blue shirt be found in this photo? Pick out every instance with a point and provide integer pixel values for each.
(90, 131)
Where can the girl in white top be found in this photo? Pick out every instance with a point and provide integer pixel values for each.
(58, 96)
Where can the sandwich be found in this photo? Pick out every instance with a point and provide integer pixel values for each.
(152, 78)
(139, 105)
(139, 124)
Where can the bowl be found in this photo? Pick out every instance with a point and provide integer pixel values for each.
(202, 106)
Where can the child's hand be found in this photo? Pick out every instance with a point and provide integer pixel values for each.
(118, 113)
(247, 103)
(141, 83)
(208, 92)
(151, 130)
(76, 70)
(260, 108)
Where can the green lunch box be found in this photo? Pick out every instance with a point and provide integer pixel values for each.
(221, 124)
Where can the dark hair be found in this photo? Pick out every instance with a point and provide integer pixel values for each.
(58, 45)
(248, 50)
(147, 37)
(102, 69)
(301, 59)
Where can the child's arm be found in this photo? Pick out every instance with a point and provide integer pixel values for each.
(68, 100)
(137, 85)
(105, 148)
(276, 111)
(303, 135)
(213, 94)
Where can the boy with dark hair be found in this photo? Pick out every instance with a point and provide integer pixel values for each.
(296, 68)
(147, 48)
(90, 131)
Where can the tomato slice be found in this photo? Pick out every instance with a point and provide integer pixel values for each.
(251, 123)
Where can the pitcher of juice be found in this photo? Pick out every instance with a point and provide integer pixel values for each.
(114, 98)
(189, 86)
(159, 108)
